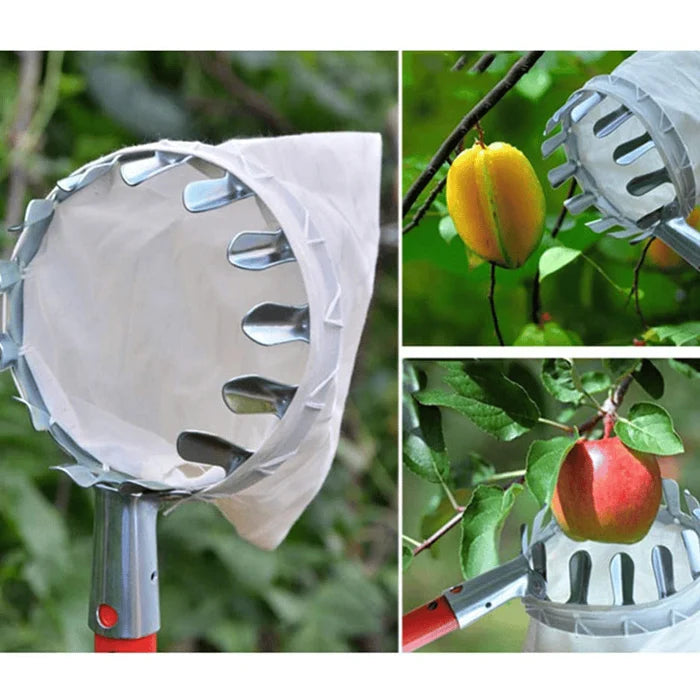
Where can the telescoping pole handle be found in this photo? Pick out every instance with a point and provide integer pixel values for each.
(428, 623)
(124, 606)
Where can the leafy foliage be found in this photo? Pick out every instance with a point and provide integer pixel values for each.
(585, 278)
(332, 584)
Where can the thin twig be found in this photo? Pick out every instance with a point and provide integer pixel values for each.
(536, 300)
(492, 305)
(609, 407)
(430, 541)
(422, 211)
(27, 94)
(217, 64)
(488, 102)
(634, 291)
(481, 64)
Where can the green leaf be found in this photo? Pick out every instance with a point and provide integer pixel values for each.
(544, 458)
(548, 334)
(534, 83)
(492, 402)
(425, 462)
(447, 229)
(650, 379)
(689, 368)
(556, 258)
(619, 367)
(594, 382)
(481, 527)
(406, 556)
(649, 428)
(558, 378)
(681, 334)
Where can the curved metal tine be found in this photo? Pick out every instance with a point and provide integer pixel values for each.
(557, 116)
(36, 220)
(622, 579)
(134, 172)
(538, 558)
(258, 250)
(579, 577)
(629, 152)
(204, 195)
(580, 110)
(524, 541)
(580, 202)
(642, 184)
(692, 548)
(9, 274)
(537, 523)
(611, 122)
(73, 183)
(205, 448)
(274, 324)
(690, 500)
(662, 564)
(255, 394)
(651, 219)
(559, 175)
(550, 145)
(603, 225)
(672, 496)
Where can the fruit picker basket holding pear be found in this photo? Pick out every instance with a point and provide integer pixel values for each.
(612, 560)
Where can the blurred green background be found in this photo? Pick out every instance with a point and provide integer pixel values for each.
(445, 303)
(331, 586)
(436, 569)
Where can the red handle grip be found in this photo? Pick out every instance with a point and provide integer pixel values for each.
(144, 644)
(428, 623)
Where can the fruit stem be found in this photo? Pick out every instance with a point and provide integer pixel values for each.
(492, 305)
(480, 137)
(556, 424)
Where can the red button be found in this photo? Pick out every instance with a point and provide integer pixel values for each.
(107, 616)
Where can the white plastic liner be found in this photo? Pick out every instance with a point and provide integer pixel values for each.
(132, 317)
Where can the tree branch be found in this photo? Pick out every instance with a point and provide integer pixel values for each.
(430, 541)
(27, 94)
(218, 66)
(423, 209)
(519, 68)
(609, 408)
(482, 63)
(536, 301)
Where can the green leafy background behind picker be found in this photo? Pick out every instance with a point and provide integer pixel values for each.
(493, 438)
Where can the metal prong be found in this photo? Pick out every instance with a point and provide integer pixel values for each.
(672, 496)
(611, 122)
(9, 352)
(691, 501)
(692, 548)
(630, 151)
(550, 145)
(622, 579)
(258, 250)
(134, 172)
(524, 542)
(538, 559)
(561, 174)
(76, 182)
(557, 116)
(537, 523)
(651, 219)
(580, 202)
(642, 184)
(254, 394)
(36, 220)
(602, 225)
(273, 324)
(205, 448)
(9, 274)
(582, 109)
(204, 195)
(579, 576)
(662, 563)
